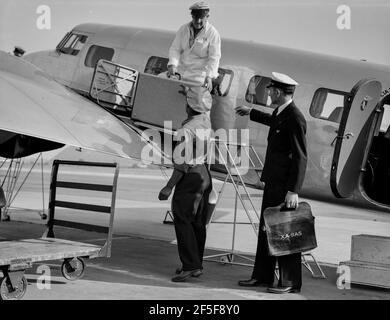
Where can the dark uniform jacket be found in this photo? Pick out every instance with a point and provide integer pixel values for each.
(286, 157)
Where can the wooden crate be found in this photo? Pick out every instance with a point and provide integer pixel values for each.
(370, 274)
(370, 248)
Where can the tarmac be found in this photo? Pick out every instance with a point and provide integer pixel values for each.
(144, 254)
(141, 269)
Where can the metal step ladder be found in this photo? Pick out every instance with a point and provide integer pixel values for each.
(235, 175)
(12, 185)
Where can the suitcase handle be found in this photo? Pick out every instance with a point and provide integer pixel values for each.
(284, 208)
(177, 76)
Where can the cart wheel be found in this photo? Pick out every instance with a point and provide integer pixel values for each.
(73, 269)
(6, 217)
(9, 293)
(225, 259)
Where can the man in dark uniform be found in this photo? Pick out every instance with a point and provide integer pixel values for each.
(192, 182)
(283, 174)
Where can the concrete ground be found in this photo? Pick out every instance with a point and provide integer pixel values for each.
(144, 255)
(141, 269)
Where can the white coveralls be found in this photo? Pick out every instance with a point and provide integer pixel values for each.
(199, 60)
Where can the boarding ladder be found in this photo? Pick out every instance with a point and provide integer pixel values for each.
(234, 175)
(235, 172)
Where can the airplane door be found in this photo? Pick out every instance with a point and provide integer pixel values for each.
(351, 140)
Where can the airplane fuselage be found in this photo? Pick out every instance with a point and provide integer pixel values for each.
(319, 76)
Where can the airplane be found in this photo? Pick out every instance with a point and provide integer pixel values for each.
(346, 102)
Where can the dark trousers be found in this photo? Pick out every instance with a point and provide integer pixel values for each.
(189, 204)
(290, 268)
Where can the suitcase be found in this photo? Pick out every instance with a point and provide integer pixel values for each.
(289, 230)
(160, 99)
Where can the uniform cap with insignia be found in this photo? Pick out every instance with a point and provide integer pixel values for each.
(199, 99)
(283, 81)
(200, 9)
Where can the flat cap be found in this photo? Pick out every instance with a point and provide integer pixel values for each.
(283, 81)
(201, 5)
(199, 99)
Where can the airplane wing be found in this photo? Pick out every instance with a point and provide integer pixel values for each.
(41, 114)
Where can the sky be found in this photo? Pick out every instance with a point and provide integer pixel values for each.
(356, 29)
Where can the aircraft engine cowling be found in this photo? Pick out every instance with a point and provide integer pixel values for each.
(14, 145)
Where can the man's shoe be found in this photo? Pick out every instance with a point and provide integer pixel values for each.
(186, 274)
(252, 283)
(179, 270)
(283, 290)
(196, 274)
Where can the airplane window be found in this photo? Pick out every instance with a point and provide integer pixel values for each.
(71, 40)
(257, 92)
(156, 65)
(72, 43)
(67, 46)
(78, 45)
(328, 104)
(95, 53)
(64, 39)
(222, 83)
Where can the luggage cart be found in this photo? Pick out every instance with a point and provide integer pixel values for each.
(17, 256)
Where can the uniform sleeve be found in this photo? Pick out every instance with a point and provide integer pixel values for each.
(261, 117)
(181, 167)
(175, 50)
(299, 155)
(214, 55)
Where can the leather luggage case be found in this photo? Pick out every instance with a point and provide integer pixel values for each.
(289, 231)
(160, 99)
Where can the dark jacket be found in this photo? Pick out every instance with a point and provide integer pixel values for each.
(286, 157)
